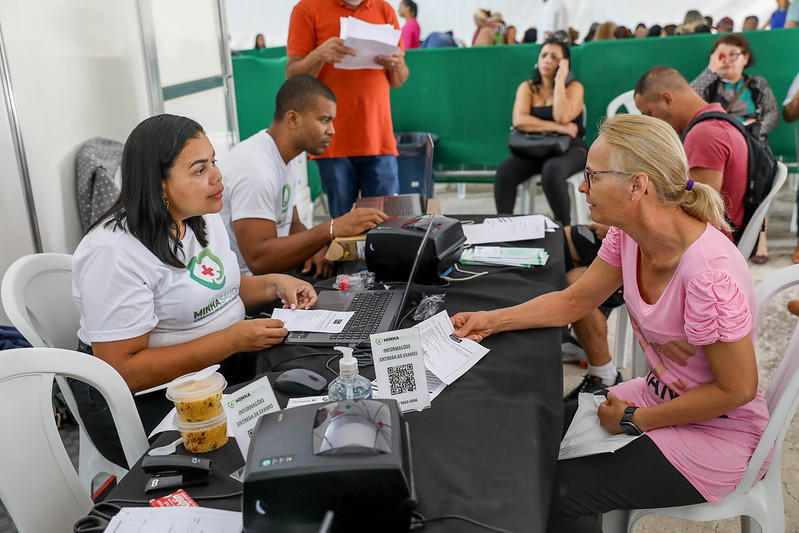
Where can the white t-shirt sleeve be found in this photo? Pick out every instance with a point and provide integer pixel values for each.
(792, 90)
(115, 298)
(254, 196)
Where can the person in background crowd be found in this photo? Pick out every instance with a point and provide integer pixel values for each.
(750, 23)
(510, 35)
(554, 17)
(260, 42)
(410, 31)
(725, 25)
(605, 32)
(484, 33)
(438, 39)
(498, 24)
(749, 98)
(622, 32)
(590, 36)
(669, 30)
(703, 28)
(640, 30)
(654, 31)
(708, 21)
(157, 285)
(792, 17)
(362, 157)
(777, 18)
(693, 19)
(700, 411)
(551, 101)
(530, 35)
(574, 35)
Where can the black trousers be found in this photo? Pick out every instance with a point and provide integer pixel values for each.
(554, 173)
(638, 476)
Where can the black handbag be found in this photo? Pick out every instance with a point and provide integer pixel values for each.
(537, 144)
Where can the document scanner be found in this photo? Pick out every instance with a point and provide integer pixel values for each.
(392, 247)
(351, 457)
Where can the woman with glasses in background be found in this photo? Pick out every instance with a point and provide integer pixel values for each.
(700, 411)
(749, 98)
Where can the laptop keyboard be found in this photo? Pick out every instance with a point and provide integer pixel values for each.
(369, 309)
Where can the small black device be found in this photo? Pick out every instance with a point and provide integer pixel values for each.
(174, 471)
(392, 247)
(627, 423)
(300, 381)
(350, 457)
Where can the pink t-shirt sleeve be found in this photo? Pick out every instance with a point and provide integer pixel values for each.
(715, 309)
(610, 251)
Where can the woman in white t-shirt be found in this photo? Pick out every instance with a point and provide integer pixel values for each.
(157, 285)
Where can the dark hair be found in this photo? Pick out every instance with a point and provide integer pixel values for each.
(149, 154)
(622, 32)
(536, 82)
(412, 6)
(591, 32)
(530, 35)
(654, 31)
(298, 93)
(736, 39)
(256, 41)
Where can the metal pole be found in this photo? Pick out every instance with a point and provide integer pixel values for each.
(19, 146)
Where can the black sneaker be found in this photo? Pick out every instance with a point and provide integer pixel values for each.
(590, 384)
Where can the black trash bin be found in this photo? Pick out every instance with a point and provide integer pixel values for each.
(415, 164)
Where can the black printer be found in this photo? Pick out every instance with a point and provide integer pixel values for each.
(392, 246)
(349, 459)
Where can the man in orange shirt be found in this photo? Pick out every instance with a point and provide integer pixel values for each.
(363, 154)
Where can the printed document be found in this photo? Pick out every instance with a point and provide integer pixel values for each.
(369, 40)
(447, 356)
(313, 319)
(508, 229)
(174, 520)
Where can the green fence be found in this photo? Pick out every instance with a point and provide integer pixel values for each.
(465, 95)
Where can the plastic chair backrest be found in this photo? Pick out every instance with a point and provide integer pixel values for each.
(752, 230)
(626, 99)
(39, 486)
(37, 297)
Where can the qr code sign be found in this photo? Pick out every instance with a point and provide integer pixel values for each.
(401, 379)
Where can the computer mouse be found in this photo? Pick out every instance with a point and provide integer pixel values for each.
(300, 381)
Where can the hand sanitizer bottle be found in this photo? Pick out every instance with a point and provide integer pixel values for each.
(349, 385)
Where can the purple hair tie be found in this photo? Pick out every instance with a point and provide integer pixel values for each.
(690, 185)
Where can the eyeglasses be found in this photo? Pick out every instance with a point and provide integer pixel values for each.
(589, 175)
(735, 55)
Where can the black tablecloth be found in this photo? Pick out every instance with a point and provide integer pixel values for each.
(488, 446)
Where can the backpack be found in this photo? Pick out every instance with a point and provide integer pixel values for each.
(761, 166)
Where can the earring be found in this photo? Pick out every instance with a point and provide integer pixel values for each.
(632, 198)
(166, 202)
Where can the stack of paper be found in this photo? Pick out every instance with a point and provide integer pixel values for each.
(369, 40)
(503, 256)
(508, 229)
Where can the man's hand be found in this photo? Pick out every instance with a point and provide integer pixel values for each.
(333, 51)
(391, 63)
(324, 268)
(610, 413)
(357, 221)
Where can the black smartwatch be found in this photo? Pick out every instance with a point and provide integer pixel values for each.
(627, 423)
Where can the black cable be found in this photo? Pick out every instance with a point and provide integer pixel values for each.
(422, 520)
(312, 354)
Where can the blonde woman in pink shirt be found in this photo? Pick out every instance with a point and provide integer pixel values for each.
(690, 297)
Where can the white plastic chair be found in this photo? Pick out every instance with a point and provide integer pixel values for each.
(626, 99)
(38, 485)
(751, 232)
(37, 297)
(758, 503)
(580, 214)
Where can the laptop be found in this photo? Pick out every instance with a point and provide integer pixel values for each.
(375, 311)
(397, 205)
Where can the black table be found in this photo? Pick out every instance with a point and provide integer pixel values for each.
(488, 446)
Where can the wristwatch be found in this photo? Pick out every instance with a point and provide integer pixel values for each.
(627, 424)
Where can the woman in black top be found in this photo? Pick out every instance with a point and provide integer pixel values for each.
(551, 101)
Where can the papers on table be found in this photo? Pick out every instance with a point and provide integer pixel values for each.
(369, 40)
(585, 436)
(174, 520)
(446, 356)
(508, 229)
(313, 319)
(504, 256)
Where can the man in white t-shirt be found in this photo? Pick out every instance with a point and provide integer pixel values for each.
(259, 211)
(553, 18)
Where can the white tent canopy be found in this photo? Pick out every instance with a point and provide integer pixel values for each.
(246, 18)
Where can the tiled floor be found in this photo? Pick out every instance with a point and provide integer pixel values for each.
(771, 345)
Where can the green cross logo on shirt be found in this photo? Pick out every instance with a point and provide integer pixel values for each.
(207, 270)
(285, 197)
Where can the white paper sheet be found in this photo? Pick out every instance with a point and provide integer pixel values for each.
(447, 356)
(174, 520)
(369, 41)
(313, 319)
(508, 229)
(585, 436)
